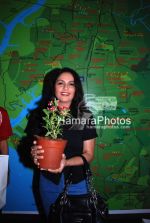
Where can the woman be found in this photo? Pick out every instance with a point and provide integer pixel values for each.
(67, 88)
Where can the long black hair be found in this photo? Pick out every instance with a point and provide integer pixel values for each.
(48, 92)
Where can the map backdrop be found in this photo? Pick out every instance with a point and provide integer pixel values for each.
(108, 43)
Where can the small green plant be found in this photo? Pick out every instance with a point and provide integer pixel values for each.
(54, 116)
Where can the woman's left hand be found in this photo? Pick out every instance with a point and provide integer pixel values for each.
(62, 165)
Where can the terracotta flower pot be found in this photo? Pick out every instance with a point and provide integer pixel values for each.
(53, 150)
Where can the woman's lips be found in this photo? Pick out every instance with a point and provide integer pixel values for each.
(65, 93)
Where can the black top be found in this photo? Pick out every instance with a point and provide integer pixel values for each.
(74, 148)
(76, 134)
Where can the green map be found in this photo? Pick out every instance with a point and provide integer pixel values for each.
(108, 44)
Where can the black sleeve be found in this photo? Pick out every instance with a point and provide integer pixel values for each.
(89, 131)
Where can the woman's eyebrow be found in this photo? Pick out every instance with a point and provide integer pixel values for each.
(65, 81)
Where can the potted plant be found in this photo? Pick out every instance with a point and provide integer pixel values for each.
(52, 144)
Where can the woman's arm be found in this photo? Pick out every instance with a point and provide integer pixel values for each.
(88, 153)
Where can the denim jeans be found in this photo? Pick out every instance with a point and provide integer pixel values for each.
(50, 191)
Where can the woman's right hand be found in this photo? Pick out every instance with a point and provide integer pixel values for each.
(36, 153)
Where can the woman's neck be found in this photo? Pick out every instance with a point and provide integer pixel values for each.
(63, 104)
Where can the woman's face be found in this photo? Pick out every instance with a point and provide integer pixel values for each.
(65, 89)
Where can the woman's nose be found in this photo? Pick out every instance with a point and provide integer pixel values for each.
(65, 86)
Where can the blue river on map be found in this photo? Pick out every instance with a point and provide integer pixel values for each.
(29, 106)
(5, 43)
(18, 19)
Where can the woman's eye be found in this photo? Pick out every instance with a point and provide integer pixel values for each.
(59, 83)
(72, 84)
